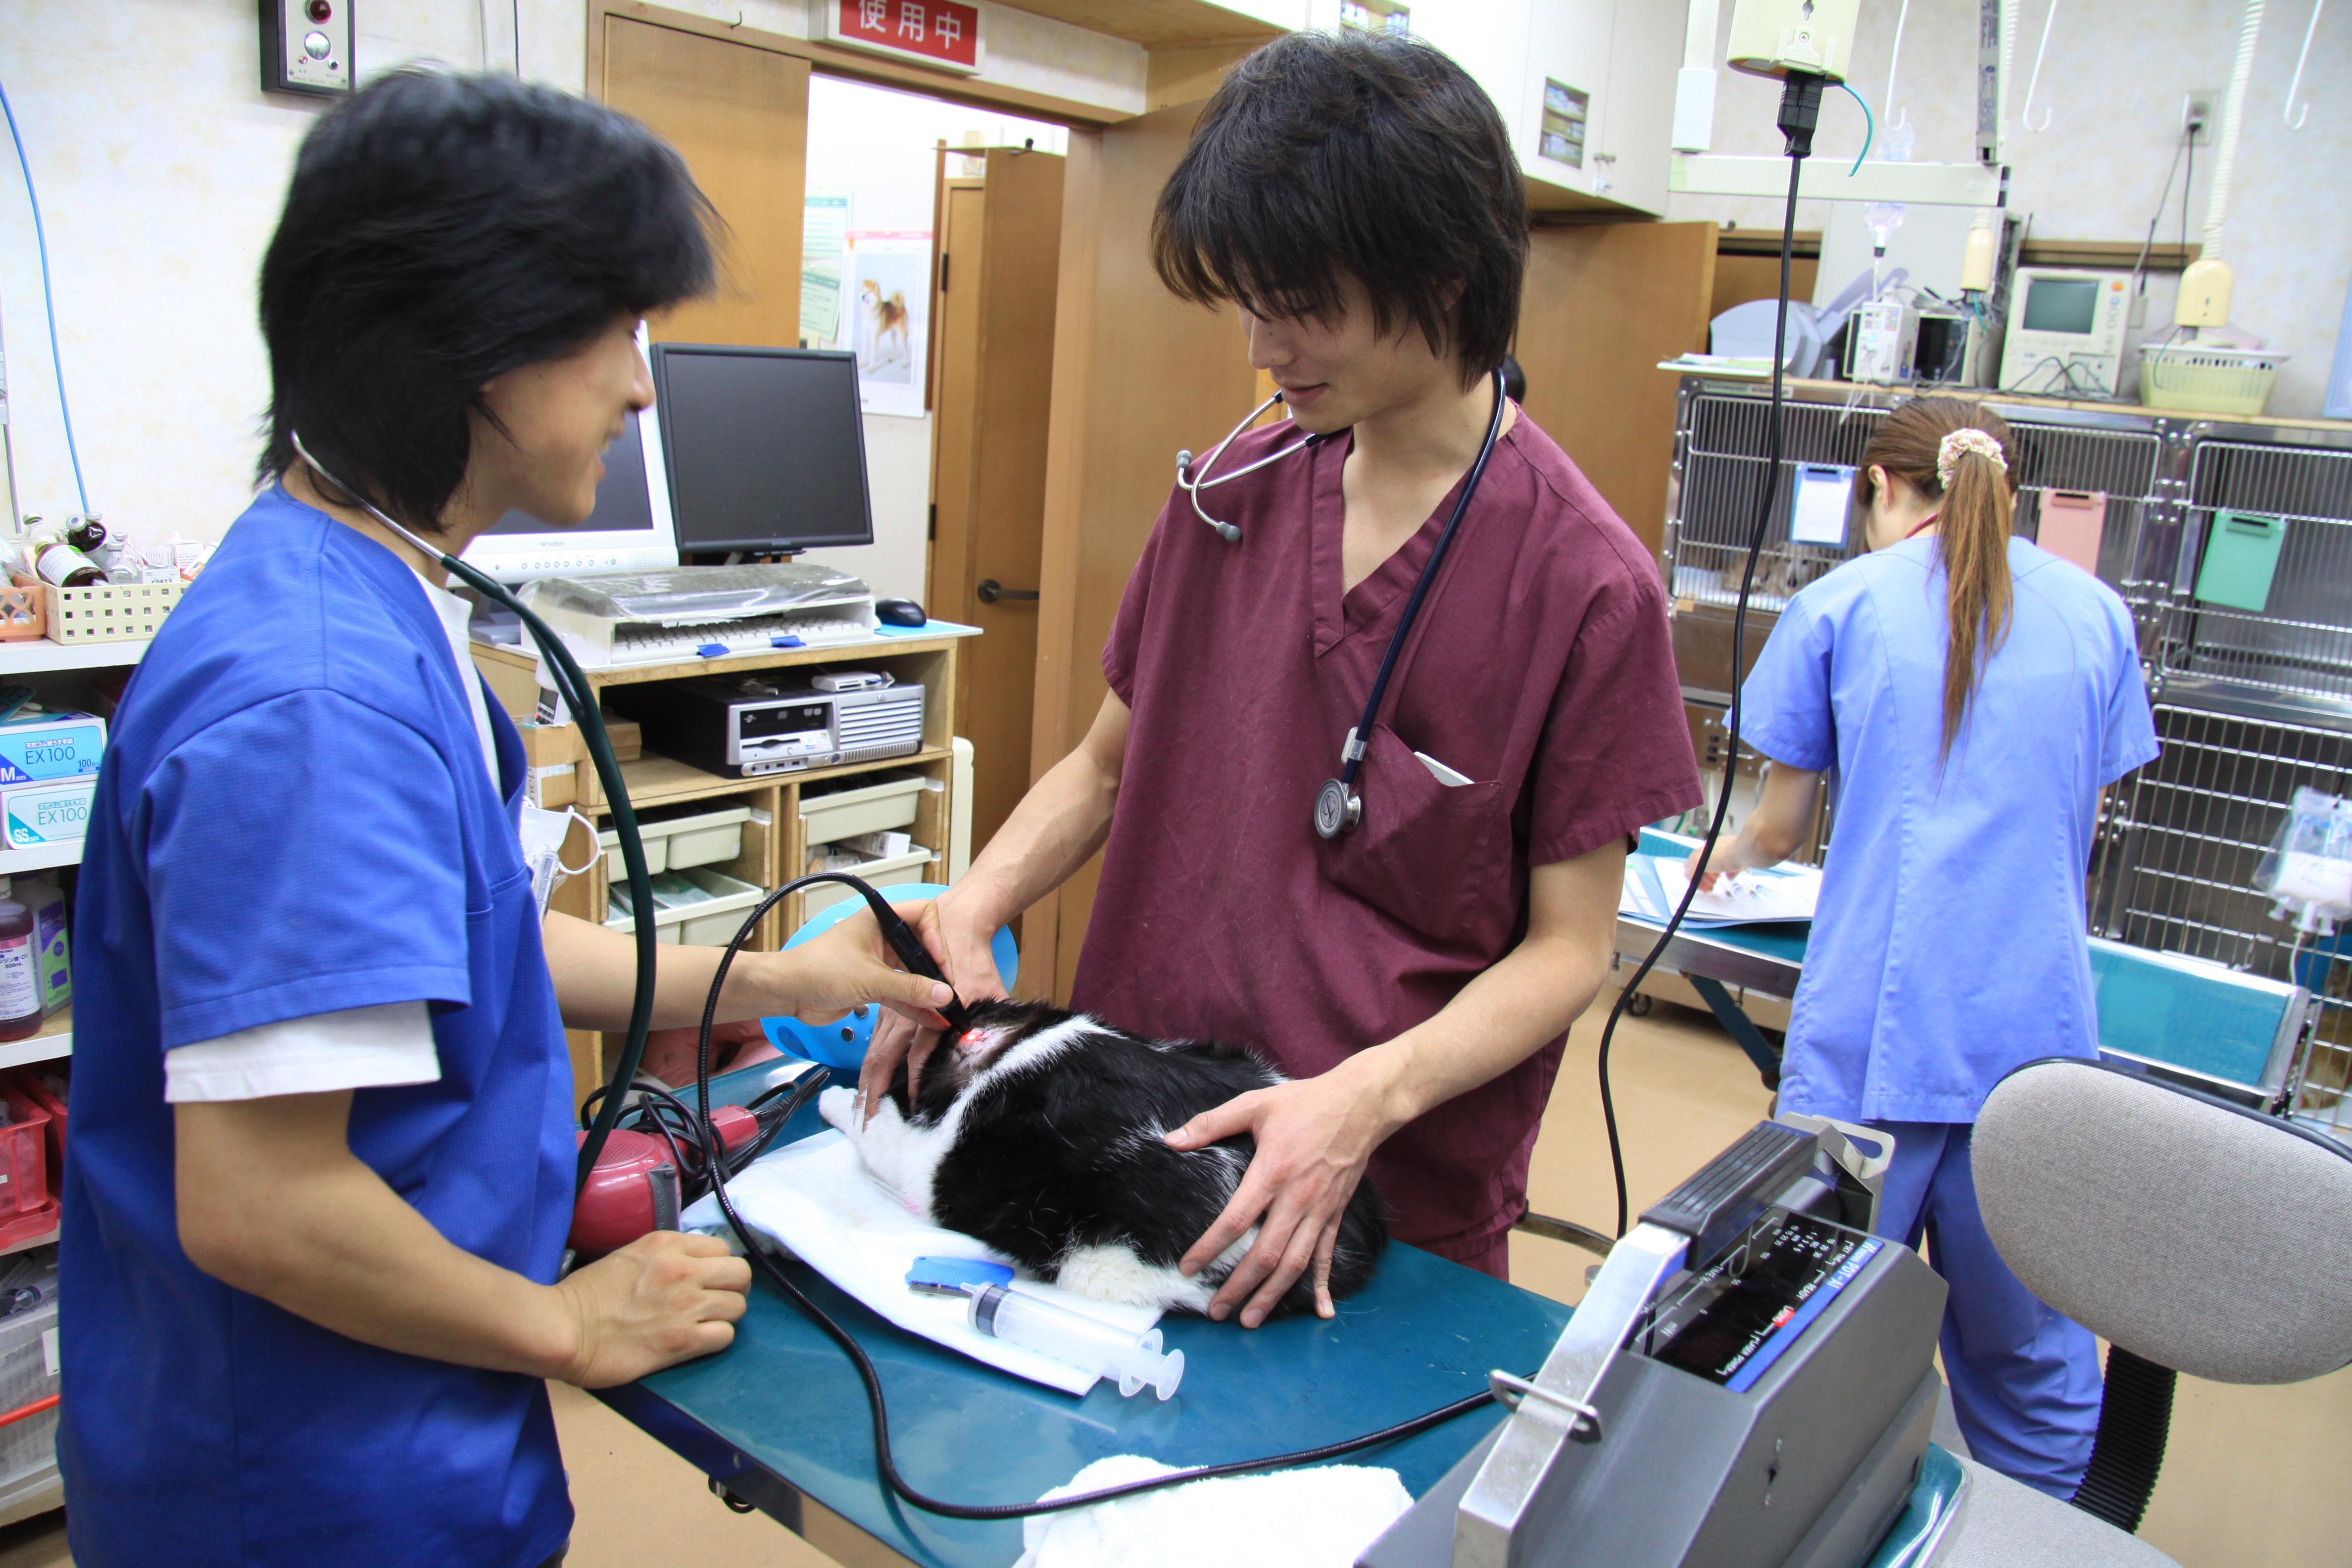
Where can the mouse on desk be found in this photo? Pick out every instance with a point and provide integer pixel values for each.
(900, 613)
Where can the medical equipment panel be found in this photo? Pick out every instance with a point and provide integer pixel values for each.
(2065, 336)
(750, 725)
(1749, 1380)
(1883, 339)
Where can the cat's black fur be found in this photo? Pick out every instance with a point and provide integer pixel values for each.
(1067, 1154)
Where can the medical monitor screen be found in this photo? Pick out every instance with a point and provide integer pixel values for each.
(623, 503)
(765, 447)
(2060, 304)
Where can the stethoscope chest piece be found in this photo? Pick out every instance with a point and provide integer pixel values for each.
(1337, 809)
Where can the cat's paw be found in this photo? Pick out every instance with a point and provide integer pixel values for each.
(839, 1109)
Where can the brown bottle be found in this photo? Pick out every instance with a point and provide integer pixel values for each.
(20, 969)
(61, 563)
(86, 534)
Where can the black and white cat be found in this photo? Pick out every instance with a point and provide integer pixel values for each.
(1041, 1132)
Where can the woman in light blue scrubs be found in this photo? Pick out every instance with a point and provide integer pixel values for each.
(1969, 695)
(323, 1136)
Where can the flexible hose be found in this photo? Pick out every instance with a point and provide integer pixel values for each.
(2233, 114)
(877, 1407)
(2134, 1423)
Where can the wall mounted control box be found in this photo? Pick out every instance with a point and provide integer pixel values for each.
(306, 46)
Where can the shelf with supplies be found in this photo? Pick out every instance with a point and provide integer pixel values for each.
(55, 1041)
(38, 656)
(16, 862)
(774, 842)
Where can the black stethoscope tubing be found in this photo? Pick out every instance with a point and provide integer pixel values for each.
(1338, 806)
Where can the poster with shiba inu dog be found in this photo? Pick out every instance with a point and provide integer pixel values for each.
(890, 310)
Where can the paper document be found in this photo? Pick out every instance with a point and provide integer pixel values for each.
(1654, 885)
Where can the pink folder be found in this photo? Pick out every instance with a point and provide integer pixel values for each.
(2072, 523)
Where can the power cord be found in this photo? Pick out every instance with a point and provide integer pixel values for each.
(895, 932)
(1800, 105)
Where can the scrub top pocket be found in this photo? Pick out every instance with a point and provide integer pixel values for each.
(1434, 856)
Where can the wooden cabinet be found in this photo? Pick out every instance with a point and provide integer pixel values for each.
(775, 848)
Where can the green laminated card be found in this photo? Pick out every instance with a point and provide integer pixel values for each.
(2240, 558)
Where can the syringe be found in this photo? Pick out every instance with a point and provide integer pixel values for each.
(1088, 1344)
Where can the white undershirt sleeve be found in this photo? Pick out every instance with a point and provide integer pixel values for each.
(359, 1047)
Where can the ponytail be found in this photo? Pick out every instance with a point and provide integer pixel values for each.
(1956, 453)
(1972, 535)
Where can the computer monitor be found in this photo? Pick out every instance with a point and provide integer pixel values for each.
(765, 447)
(629, 531)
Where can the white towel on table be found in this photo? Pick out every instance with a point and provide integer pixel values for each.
(821, 1201)
(1321, 1518)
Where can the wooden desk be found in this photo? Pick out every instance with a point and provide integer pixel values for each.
(775, 847)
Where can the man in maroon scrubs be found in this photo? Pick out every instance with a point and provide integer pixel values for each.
(1356, 197)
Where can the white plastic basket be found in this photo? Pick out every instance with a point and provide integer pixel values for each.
(111, 612)
(2201, 379)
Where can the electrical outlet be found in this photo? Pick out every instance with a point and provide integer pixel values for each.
(2197, 112)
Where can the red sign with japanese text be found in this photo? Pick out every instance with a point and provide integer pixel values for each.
(936, 32)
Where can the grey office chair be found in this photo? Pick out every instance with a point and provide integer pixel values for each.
(2192, 1235)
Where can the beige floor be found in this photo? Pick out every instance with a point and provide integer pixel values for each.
(2250, 1479)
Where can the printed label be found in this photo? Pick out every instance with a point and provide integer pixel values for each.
(49, 1352)
(20, 980)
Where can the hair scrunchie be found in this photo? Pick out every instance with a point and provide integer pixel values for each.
(1971, 439)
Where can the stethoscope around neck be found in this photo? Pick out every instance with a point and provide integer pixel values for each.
(1337, 805)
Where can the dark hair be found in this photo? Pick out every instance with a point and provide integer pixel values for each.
(1328, 154)
(440, 231)
(1972, 528)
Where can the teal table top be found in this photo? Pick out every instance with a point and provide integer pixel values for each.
(1423, 1333)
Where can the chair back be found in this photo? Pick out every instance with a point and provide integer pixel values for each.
(2191, 1232)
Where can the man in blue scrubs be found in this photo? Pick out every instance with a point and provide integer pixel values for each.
(323, 1141)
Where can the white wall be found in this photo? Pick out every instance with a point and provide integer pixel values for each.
(880, 147)
(161, 166)
(2113, 81)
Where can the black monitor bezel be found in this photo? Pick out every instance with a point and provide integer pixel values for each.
(667, 426)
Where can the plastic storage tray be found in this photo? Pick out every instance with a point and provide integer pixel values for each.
(899, 868)
(112, 612)
(28, 1448)
(673, 844)
(709, 923)
(2208, 380)
(868, 809)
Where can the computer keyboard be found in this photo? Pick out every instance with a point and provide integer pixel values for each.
(648, 643)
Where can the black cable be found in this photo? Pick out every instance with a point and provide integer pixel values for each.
(573, 688)
(1800, 97)
(875, 1403)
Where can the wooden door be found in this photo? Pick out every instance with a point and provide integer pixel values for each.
(739, 116)
(1136, 375)
(999, 264)
(1604, 303)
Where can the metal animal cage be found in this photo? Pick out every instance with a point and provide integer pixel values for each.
(2299, 645)
(1721, 454)
(2178, 846)
(2250, 704)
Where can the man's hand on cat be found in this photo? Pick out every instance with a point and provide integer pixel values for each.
(1314, 1138)
(959, 941)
